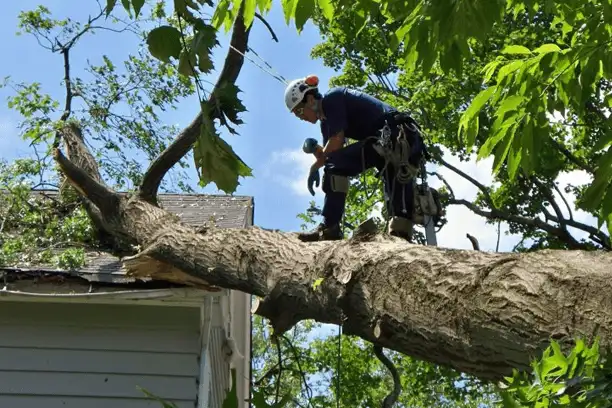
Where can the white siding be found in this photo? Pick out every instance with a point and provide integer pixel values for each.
(221, 378)
(93, 356)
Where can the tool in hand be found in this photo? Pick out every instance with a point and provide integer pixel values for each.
(311, 146)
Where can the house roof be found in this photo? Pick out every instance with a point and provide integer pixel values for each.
(195, 210)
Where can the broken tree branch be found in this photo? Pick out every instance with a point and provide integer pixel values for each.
(474, 241)
(393, 396)
(185, 140)
(106, 200)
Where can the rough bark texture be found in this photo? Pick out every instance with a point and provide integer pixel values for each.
(481, 313)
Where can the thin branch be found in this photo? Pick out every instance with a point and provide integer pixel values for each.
(393, 396)
(474, 241)
(280, 370)
(443, 180)
(551, 199)
(185, 140)
(570, 156)
(569, 209)
(533, 222)
(498, 235)
(469, 178)
(303, 375)
(263, 20)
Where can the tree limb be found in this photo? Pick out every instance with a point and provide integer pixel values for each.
(469, 178)
(393, 396)
(570, 157)
(106, 200)
(268, 26)
(185, 140)
(533, 222)
(551, 199)
(569, 209)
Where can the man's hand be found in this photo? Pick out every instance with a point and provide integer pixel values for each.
(313, 178)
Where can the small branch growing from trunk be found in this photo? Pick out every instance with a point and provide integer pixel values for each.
(474, 242)
(393, 396)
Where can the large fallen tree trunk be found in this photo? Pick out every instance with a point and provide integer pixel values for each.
(481, 313)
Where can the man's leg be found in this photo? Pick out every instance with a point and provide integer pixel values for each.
(339, 166)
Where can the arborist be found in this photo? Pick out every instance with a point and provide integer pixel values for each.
(386, 139)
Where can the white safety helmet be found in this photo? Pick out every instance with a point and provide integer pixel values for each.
(295, 91)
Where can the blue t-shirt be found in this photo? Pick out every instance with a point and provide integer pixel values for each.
(353, 111)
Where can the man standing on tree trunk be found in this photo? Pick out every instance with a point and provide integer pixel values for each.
(385, 139)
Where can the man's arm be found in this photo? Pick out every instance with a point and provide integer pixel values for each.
(334, 143)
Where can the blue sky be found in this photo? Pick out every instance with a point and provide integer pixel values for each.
(269, 141)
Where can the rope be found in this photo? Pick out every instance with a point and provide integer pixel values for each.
(276, 76)
(338, 364)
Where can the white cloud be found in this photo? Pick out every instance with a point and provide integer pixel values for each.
(289, 168)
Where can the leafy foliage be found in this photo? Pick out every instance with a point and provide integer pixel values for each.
(189, 39)
(580, 378)
(35, 230)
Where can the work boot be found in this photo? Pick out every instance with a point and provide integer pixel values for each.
(401, 227)
(322, 233)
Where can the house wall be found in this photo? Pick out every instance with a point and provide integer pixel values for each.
(56, 355)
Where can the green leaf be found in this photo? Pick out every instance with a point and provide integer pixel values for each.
(303, 12)
(110, 6)
(317, 283)
(137, 5)
(509, 104)
(187, 63)
(164, 42)
(606, 210)
(501, 151)
(289, 9)
(215, 159)
(546, 48)
(264, 5)
(221, 15)
(126, 6)
(595, 192)
(475, 107)
(516, 49)
(204, 40)
(327, 8)
(249, 12)
(229, 103)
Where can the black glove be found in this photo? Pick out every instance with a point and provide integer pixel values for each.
(313, 178)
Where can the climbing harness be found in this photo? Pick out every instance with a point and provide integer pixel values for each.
(427, 208)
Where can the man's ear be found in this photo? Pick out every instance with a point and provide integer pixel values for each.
(311, 101)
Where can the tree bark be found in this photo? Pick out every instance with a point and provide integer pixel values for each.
(480, 313)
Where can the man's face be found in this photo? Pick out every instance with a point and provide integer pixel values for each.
(305, 112)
